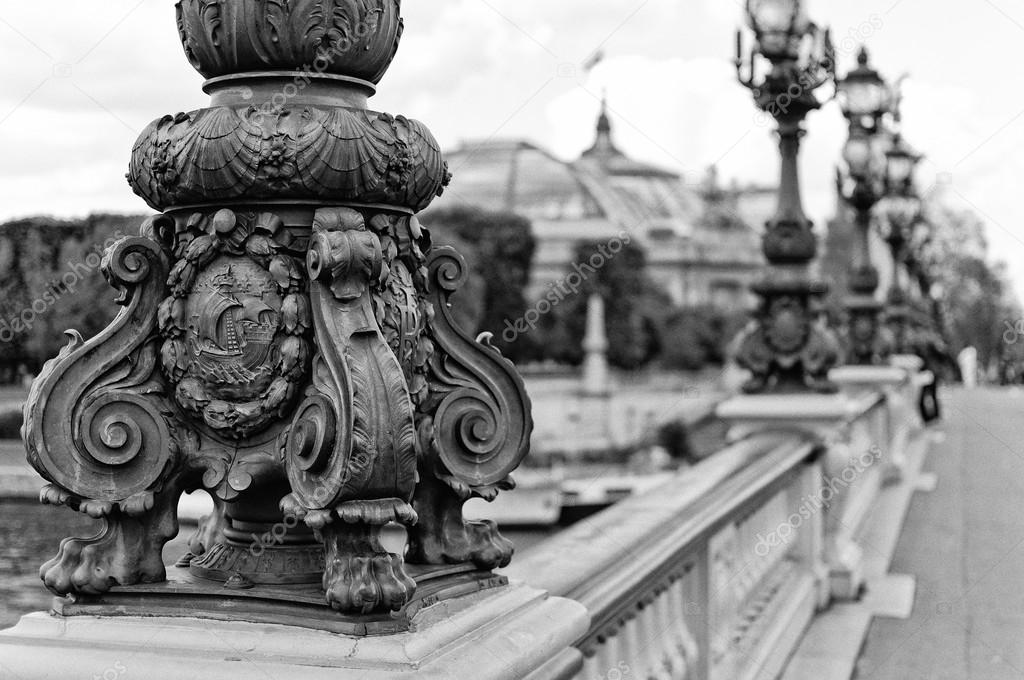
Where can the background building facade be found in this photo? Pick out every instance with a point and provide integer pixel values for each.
(701, 239)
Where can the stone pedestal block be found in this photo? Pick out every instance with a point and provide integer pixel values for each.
(508, 633)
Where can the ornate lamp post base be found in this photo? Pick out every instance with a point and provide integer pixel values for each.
(506, 633)
(868, 342)
(287, 344)
(787, 349)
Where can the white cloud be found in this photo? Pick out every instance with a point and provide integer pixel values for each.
(472, 70)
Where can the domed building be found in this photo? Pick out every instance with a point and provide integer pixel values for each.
(700, 243)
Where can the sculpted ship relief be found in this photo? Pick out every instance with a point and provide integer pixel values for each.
(286, 344)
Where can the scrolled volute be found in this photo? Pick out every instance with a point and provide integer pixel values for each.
(94, 419)
(481, 422)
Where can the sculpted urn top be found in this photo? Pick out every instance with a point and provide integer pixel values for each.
(350, 38)
(288, 118)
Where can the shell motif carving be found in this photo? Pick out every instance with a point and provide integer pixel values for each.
(354, 38)
(298, 153)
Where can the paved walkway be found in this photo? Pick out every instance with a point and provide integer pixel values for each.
(965, 544)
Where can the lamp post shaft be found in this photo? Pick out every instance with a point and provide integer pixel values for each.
(790, 200)
(787, 348)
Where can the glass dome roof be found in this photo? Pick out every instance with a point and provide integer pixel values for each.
(521, 178)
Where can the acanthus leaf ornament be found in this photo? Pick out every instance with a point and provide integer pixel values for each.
(352, 38)
(350, 453)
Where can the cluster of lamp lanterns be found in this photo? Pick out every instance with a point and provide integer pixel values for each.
(792, 57)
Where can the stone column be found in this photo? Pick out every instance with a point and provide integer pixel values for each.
(595, 345)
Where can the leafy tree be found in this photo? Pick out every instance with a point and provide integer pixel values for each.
(697, 337)
(634, 307)
(977, 300)
(50, 281)
(502, 249)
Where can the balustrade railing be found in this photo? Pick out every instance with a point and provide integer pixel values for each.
(717, 574)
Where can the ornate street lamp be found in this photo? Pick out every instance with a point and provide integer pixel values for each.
(865, 99)
(901, 210)
(787, 348)
(287, 345)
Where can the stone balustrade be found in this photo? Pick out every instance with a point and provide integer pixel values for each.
(718, 573)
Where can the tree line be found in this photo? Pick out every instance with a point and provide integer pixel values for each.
(50, 280)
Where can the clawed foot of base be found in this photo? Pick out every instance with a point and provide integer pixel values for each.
(93, 565)
(478, 542)
(367, 583)
(488, 548)
(360, 575)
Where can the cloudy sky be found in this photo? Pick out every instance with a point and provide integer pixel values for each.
(81, 80)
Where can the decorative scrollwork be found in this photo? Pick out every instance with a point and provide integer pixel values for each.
(785, 348)
(867, 341)
(94, 422)
(350, 452)
(481, 422)
(354, 433)
(474, 430)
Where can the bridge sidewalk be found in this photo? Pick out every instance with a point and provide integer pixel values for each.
(832, 644)
(965, 545)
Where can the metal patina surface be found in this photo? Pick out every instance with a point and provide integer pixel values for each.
(286, 344)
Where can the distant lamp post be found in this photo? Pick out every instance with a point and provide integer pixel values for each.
(865, 99)
(779, 26)
(901, 210)
(787, 349)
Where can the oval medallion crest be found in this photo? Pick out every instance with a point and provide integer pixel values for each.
(235, 327)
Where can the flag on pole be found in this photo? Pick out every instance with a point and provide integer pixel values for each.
(593, 60)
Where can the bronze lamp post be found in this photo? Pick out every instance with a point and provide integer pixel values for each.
(865, 100)
(787, 349)
(901, 208)
(286, 345)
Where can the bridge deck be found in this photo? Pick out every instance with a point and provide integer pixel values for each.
(965, 544)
